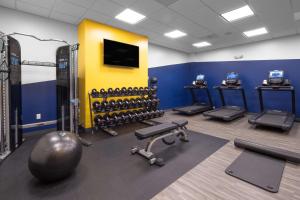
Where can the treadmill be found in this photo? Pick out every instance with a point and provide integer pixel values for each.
(229, 112)
(275, 118)
(197, 107)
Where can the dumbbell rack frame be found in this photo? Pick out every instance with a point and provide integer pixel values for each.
(110, 130)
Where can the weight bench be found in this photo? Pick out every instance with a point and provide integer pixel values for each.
(155, 133)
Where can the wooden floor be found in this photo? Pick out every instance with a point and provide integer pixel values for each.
(208, 179)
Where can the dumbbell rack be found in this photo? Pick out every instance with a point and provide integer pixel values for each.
(107, 128)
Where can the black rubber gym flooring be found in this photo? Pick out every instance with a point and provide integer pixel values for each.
(107, 170)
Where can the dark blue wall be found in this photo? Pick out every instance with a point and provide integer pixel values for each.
(39, 98)
(172, 79)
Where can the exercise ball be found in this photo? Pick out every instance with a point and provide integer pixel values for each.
(55, 156)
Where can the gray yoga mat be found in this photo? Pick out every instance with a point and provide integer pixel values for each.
(258, 169)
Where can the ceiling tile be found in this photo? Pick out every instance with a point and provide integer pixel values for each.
(69, 9)
(41, 3)
(36, 10)
(83, 3)
(200, 14)
(224, 5)
(108, 8)
(96, 16)
(146, 7)
(64, 17)
(296, 5)
(8, 3)
(154, 25)
(124, 2)
(166, 2)
(277, 15)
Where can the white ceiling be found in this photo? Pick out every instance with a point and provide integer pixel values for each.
(198, 18)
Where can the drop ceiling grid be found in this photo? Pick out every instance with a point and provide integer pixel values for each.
(198, 18)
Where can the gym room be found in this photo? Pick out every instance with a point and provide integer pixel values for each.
(149, 99)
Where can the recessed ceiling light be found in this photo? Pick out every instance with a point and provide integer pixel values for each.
(256, 32)
(201, 44)
(130, 16)
(237, 14)
(175, 34)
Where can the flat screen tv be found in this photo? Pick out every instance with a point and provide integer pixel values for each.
(120, 54)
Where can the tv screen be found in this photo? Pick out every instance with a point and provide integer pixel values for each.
(120, 54)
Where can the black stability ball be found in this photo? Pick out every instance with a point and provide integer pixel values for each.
(55, 156)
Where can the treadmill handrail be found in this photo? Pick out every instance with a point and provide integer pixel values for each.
(291, 89)
(193, 87)
(275, 88)
(239, 88)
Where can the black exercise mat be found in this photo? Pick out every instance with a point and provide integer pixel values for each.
(258, 169)
(107, 170)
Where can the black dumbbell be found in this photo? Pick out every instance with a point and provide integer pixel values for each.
(152, 114)
(105, 106)
(124, 117)
(133, 103)
(110, 92)
(112, 104)
(130, 91)
(148, 103)
(115, 119)
(135, 91)
(126, 104)
(141, 91)
(109, 120)
(139, 115)
(97, 106)
(153, 96)
(117, 92)
(161, 113)
(153, 80)
(95, 93)
(100, 121)
(119, 104)
(138, 103)
(103, 93)
(123, 91)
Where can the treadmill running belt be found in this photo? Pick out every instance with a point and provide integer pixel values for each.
(224, 112)
(258, 169)
(275, 119)
(191, 108)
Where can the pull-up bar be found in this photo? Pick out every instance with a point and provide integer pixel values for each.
(33, 36)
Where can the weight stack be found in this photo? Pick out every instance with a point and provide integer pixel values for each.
(15, 92)
(63, 86)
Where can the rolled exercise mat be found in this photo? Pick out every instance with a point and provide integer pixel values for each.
(261, 165)
(267, 150)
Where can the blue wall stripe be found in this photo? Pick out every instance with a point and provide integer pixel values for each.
(252, 73)
(39, 98)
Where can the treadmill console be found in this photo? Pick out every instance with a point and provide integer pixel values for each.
(232, 79)
(200, 81)
(276, 78)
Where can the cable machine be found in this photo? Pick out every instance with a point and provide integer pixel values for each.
(66, 89)
(10, 95)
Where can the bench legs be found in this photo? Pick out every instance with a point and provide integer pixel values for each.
(148, 154)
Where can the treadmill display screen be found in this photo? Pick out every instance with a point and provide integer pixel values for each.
(200, 77)
(232, 76)
(276, 74)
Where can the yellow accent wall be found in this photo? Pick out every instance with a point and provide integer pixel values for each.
(94, 74)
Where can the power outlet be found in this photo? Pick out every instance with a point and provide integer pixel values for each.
(39, 116)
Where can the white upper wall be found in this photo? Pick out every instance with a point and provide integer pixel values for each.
(33, 50)
(15, 21)
(277, 49)
(162, 56)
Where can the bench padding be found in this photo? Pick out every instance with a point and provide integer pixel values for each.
(159, 129)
